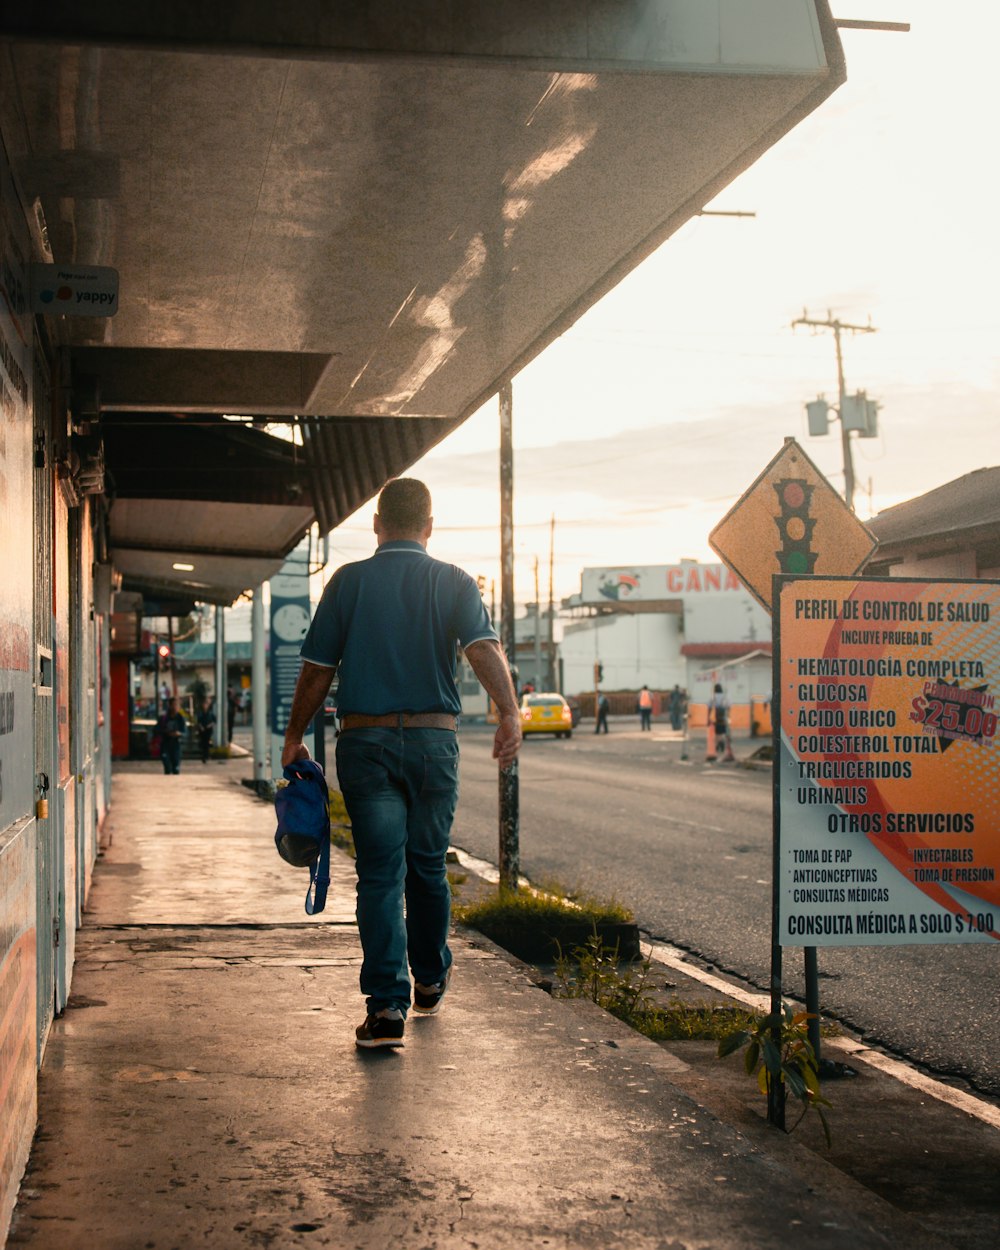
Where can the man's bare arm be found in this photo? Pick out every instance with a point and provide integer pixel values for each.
(310, 692)
(490, 665)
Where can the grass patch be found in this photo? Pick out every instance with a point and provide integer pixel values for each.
(537, 926)
(523, 906)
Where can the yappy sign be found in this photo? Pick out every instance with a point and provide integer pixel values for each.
(74, 290)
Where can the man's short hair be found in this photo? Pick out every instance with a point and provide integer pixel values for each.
(404, 506)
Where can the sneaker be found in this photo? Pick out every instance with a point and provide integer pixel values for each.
(384, 1028)
(427, 998)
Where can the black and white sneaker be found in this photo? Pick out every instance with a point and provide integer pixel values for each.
(384, 1028)
(427, 998)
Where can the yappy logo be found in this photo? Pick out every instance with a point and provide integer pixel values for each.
(60, 293)
(619, 586)
(74, 290)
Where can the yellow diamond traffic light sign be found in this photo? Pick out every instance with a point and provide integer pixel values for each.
(791, 520)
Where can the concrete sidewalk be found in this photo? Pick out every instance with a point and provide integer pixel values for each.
(203, 1088)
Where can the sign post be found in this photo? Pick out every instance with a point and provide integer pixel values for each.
(790, 522)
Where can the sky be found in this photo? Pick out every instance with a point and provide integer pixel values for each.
(643, 424)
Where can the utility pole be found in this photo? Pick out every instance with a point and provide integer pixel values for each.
(837, 326)
(538, 631)
(553, 685)
(509, 851)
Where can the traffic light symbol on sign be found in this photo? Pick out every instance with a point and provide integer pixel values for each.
(795, 525)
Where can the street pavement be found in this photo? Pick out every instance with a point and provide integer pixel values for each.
(202, 1087)
(689, 847)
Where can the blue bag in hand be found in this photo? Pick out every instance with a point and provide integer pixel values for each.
(303, 833)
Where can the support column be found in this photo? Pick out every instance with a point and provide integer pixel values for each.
(258, 684)
(221, 701)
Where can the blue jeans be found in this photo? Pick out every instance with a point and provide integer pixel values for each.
(400, 789)
(170, 755)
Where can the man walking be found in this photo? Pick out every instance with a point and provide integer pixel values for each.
(390, 625)
(718, 715)
(206, 727)
(645, 708)
(676, 707)
(171, 728)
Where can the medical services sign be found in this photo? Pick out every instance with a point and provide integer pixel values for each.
(887, 811)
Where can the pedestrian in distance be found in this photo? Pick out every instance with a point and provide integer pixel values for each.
(232, 707)
(718, 713)
(645, 709)
(676, 707)
(170, 729)
(603, 707)
(389, 626)
(206, 727)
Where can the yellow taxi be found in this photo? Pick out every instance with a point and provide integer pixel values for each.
(543, 713)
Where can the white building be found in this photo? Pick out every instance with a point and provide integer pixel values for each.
(686, 624)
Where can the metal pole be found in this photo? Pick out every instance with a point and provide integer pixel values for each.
(156, 678)
(258, 687)
(171, 665)
(509, 855)
(319, 737)
(845, 434)
(553, 683)
(776, 1088)
(221, 701)
(538, 632)
(812, 998)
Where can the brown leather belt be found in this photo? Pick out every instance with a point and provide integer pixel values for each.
(400, 720)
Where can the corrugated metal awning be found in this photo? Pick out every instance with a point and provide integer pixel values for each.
(369, 215)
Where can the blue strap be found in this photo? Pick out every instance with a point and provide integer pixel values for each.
(319, 877)
(310, 773)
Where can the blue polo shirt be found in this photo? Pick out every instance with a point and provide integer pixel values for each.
(390, 623)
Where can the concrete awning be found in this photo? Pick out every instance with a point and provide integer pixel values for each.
(363, 213)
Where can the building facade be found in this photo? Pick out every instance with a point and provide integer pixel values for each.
(687, 624)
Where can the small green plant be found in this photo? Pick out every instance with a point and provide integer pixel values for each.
(593, 971)
(792, 1061)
